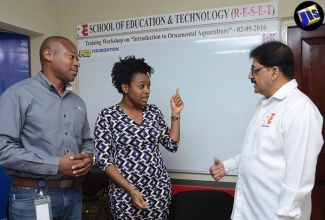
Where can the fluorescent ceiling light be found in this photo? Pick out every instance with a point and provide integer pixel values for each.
(231, 51)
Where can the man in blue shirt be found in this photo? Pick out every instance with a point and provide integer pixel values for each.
(45, 142)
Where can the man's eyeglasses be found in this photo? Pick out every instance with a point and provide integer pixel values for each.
(254, 70)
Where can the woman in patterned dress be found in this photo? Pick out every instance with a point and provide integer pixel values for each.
(127, 138)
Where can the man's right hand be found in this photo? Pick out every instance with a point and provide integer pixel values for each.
(217, 170)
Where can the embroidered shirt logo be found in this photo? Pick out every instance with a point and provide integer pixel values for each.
(269, 120)
(79, 108)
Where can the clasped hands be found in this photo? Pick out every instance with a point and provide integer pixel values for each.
(75, 164)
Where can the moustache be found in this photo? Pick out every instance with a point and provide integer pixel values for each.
(253, 81)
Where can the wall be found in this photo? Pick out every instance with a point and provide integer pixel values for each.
(35, 18)
(42, 18)
(102, 10)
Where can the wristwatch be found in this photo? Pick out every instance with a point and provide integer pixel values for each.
(94, 159)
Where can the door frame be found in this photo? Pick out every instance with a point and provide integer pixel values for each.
(285, 24)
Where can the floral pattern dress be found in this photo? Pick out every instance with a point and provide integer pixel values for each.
(134, 150)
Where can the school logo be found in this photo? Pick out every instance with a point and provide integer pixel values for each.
(82, 30)
(309, 16)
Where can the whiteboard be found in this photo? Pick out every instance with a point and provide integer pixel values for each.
(211, 73)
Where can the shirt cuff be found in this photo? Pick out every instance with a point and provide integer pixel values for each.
(290, 202)
(231, 166)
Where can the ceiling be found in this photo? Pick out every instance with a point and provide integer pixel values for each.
(68, 1)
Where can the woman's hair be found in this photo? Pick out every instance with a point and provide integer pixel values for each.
(275, 53)
(124, 71)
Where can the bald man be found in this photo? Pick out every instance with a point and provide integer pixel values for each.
(45, 144)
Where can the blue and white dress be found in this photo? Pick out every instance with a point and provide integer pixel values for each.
(134, 150)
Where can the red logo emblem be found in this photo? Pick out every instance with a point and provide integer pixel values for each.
(82, 30)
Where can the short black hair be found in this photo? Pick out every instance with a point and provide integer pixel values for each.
(275, 53)
(124, 70)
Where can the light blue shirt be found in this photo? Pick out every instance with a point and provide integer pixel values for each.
(38, 126)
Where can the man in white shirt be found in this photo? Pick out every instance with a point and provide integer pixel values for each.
(276, 168)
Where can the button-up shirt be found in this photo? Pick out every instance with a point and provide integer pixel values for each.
(38, 126)
(276, 168)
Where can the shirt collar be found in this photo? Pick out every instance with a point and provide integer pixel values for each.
(285, 89)
(42, 77)
(282, 92)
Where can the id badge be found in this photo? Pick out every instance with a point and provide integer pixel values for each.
(43, 208)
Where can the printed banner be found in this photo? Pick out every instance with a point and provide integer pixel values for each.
(253, 12)
(111, 45)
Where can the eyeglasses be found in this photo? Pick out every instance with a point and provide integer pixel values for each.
(254, 70)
